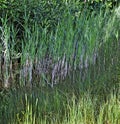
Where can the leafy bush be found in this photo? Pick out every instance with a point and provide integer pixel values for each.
(47, 13)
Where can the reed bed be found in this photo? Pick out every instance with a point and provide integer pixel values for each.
(52, 55)
(62, 68)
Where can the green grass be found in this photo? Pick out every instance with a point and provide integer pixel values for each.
(64, 71)
(59, 107)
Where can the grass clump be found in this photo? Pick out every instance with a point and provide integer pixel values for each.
(56, 107)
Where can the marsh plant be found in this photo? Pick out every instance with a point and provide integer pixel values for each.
(59, 62)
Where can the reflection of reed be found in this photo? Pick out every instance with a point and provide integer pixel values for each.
(5, 56)
(43, 66)
(56, 70)
(60, 70)
(26, 72)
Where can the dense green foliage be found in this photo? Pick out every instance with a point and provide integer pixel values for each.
(59, 61)
(47, 13)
